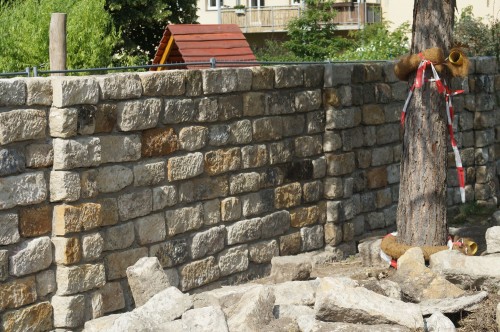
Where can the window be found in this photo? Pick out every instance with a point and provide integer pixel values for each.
(255, 3)
(296, 2)
(212, 4)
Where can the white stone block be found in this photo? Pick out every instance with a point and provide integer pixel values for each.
(69, 91)
(33, 256)
(68, 310)
(63, 122)
(64, 186)
(9, 230)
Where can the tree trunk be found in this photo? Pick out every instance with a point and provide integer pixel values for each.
(421, 215)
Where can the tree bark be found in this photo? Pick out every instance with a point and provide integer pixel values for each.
(421, 215)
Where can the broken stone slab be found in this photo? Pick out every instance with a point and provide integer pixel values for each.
(290, 268)
(205, 319)
(420, 283)
(292, 311)
(224, 297)
(383, 287)
(253, 311)
(493, 240)
(282, 324)
(296, 292)
(467, 271)
(369, 251)
(439, 322)
(340, 300)
(450, 306)
(146, 278)
(100, 324)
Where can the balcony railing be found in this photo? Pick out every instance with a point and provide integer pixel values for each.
(350, 16)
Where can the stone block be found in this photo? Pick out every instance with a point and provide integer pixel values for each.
(219, 135)
(4, 265)
(80, 278)
(255, 104)
(39, 155)
(304, 216)
(290, 244)
(148, 174)
(119, 148)
(299, 170)
(493, 239)
(333, 234)
(313, 75)
(233, 260)
(112, 297)
(92, 246)
(341, 164)
(388, 133)
(382, 156)
(150, 229)
(276, 223)
(68, 91)
(383, 198)
(373, 114)
(205, 319)
(254, 156)
(164, 196)
(222, 161)
(35, 221)
(293, 125)
(262, 78)
(331, 141)
(244, 182)
(46, 283)
(307, 146)
(219, 81)
(486, 65)
(105, 117)
(113, 178)
(198, 273)
(184, 219)
(208, 242)
(22, 125)
(211, 212)
(288, 76)
(17, 293)
(37, 317)
(208, 109)
(393, 173)
(178, 111)
(230, 107)
(146, 278)
(240, 132)
(13, 92)
(67, 250)
(203, 188)
(63, 122)
(159, 142)
(120, 86)
(138, 114)
(281, 152)
(164, 83)
(185, 167)
(312, 237)
(78, 152)
(333, 188)
(257, 203)
(119, 237)
(64, 186)
(244, 231)
(316, 122)
(71, 219)
(193, 138)
(312, 191)
(343, 118)
(263, 252)
(109, 211)
(377, 177)
(9, 230)
(288, 195)
(31, 256)
(172, 252)
(267, 129)
(306, 101)
(68, 310)
(271, 177)
(230, 209)
(117, 262)
(135, 204)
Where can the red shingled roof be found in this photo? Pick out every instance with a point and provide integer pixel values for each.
(200, 42)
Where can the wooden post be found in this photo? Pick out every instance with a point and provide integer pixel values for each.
(57, 42)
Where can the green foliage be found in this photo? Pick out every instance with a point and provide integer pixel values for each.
(274, 50)
(475, 36)
(376, 42)
(24, 37)
(142, 23)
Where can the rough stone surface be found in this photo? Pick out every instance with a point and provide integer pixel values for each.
(92, 246)
(370, 253)
(163, 83)
(9, 230)
(4, 265)
(172, 252)
(150, 229)
(452, 305)
(233, 260)
(164, 196)
(63, 122)
(69, 91)
(77, 279)
(263, 252)
(146, 278)
(46, 283)
(120, 236)
(135, 204)
(11, 162)
(493, 239)
(193, 138)
(39, 155)
(37, 317)
(24, 189)
(288, 268)
(296, 293)
(117, 262)
(120, 86)
(184, 219)
(138, 114)
(67, 250)
(158, 142)
(21, 125)
(15, 294)
(78, 152)
(185, 167)
(32, 256)
(208, 242)
(198, 273)
(205, 319)
(244, 231)
(68, 310)
(64, 186)
(70, 219)
(439, 322)
(118, 148)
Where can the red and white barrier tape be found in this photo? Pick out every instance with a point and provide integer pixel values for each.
(442, 88)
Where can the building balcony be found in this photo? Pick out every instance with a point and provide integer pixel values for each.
(350, 16)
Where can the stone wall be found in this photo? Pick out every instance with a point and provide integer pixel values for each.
(212, 171)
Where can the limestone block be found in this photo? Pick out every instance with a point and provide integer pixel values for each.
(17, 293)
(253, 311)
(178, 111)
(112, 297)
(306, 101)
(198, 273)
(220, 81)
(272, 177)
(92, 246)
(184, 219)
(67, 250)
(262, 78)
(172, 252)
(333, 234)
(45, 283)
(147, 174)
(32, 256)
(263, 252)
(78, 152)
(288, 76)
(22, 125)
(276, 223)
(113, 178)
(304, 216)
(88, 183)
(233, 260)
(211, 212)
(388, 133)
(254, 104)
(135, 204)
(138, 114)
(288, 195)
(493, 239)
(315, 122)
(244, 231)
(296, 293)
(208, 242)
(293, 125)
(203, 188)
(105, 117)
(208, 109)
(205, 319)
(193, 138)
(340, 164)
(230, 107)
(12, 92)
(39, 91)
(257, 203)
(453, 305)
(219, 135)
(334, 188)
(159, 142)
(164, 83)
(70, 219)
(64, 186)
(109, 211)
(118, 148)
(4, 265)
(267, 129)
(39, 155)
(11, 161)
(240, 132)
(146, 278)
(230, 209)
(79, 278)
(312, 237)
(382, 156)
(281, 152)
(150, 229)
(244, 182)
(119, 237)
(312, 191)
(319, 168)
(9, 232)
(164, 196)
(221, 161)
(68, 310)
(63, 122)
(290, 244)
(185, 167)
(119, 86)
(37, 317)
(253, 156)
(343, 118)
(69, 91)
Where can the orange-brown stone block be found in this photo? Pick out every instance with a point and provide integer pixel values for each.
(35, 221)
(17, 293)
(377, 177)
(220, 161)
(159, 142)
(70, 219)
(67, 250)
(37, 317)
(290, 244)
(288, 195)
(304, 216)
